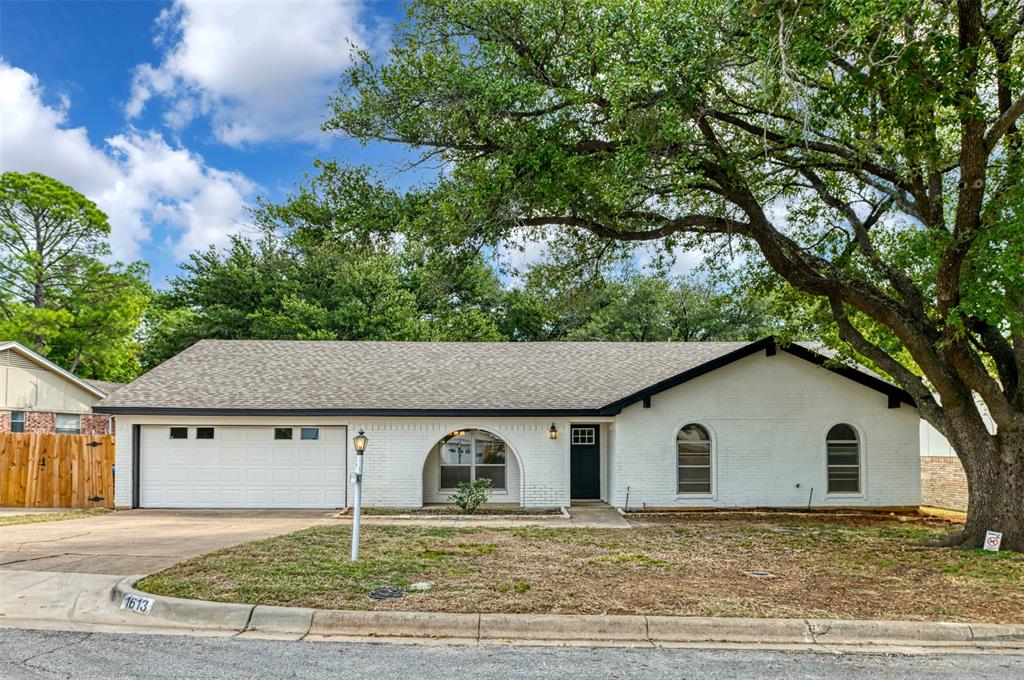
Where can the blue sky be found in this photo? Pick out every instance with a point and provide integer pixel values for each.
(174, 116)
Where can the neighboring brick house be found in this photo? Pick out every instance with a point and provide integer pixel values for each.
(239, 423)
(943, 481)
(37, 395)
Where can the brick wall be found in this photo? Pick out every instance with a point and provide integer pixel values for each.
(38, 421)
(45, 422)
(943, 483)
(96, 424)
(767, 417)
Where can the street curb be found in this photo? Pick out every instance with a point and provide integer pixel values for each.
(170, 612)
(345, 622)
(166, 612)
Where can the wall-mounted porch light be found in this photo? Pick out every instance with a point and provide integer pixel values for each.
(553, 432)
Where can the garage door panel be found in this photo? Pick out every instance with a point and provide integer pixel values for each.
(242, 467)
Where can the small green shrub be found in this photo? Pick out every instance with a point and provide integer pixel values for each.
(470, 495)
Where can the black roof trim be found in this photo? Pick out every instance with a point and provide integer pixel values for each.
(724, 360)
(170, 411)
(768, 344)
(853, 374)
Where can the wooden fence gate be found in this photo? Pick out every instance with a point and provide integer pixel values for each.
(56, 470)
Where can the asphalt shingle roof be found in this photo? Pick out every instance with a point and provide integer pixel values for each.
(106, 385)
(261, 375)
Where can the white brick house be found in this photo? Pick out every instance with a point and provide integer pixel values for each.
(269, 424)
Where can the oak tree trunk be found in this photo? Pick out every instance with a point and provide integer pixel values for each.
(995, 483)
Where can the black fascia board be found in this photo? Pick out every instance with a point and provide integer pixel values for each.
(324, 412)
(853, 374)
(695, 372)
(769, 344)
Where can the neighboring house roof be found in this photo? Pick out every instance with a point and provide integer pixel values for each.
(43, 362)
(107, 386)
(267, 377)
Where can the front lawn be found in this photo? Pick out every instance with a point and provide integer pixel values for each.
(693, 565)
(33, 518)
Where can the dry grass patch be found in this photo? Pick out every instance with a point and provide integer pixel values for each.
(695, 565)
(34, 518)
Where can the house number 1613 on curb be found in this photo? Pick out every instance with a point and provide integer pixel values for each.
(139, 605)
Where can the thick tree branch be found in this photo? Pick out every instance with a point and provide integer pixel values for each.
(708, 224)
(908, 380)
(1003, 124)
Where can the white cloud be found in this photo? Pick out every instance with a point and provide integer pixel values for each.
(261, 71)
(33, 136)
(137, 178)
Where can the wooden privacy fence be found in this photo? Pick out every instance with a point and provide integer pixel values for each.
(56, 470)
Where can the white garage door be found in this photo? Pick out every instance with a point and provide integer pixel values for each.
(241, 467)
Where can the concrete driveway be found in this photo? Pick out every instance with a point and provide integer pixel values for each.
(141, 541)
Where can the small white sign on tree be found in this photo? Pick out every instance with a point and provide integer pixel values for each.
(993, 539)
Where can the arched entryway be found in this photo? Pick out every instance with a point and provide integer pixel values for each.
(465, 455)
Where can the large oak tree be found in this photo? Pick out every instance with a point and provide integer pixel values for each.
(867, 151)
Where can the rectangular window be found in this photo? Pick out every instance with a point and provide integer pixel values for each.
(204, 433)
(68, 423)
(583, 435)
(694, 461)
(456, 461)
(17, 421)
(282, 433)
(179, 433)
(309, 433)
(843, 467)
(489, 459)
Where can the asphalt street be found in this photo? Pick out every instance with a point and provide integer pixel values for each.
(38, 655)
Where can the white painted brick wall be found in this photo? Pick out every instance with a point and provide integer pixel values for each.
(768, 417)
(397, 471)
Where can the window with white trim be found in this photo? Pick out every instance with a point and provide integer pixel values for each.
(584, 435)
(843, 452)
(472, 454)
(17, 421)
(68, 423)
(693, 459)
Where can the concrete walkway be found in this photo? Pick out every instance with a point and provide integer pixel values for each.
(582, 515)
(597, 515)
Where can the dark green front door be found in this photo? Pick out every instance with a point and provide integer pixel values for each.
(584, 462)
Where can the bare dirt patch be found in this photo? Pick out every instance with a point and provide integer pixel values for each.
(865, 567)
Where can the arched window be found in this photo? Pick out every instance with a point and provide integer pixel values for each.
(843, 447)
(472, 454)
(693, 454)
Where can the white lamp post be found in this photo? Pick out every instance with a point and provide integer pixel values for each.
(359, 441)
